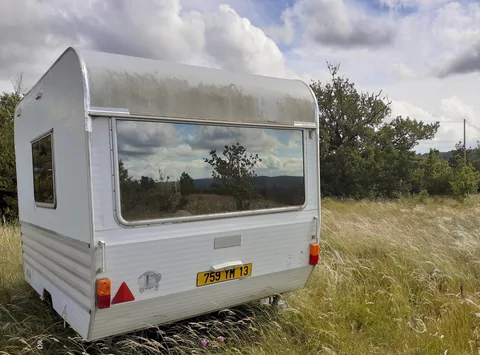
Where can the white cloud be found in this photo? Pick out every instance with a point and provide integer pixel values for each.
(34, 34)
(449, 113)
(411, 57)
(403, 71)
(405, 109)
(237, 45)
(286, 32)
(26, 41)
(334, 24)
(453, 108)
(457, 23)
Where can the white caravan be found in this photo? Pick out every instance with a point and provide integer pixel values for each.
(137, 201)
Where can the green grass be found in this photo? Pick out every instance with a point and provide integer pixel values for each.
(394, 278)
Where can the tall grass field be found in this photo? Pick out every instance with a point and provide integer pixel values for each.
(394, 278)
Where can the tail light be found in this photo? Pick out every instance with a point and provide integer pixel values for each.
(103, 293)
(314, 253)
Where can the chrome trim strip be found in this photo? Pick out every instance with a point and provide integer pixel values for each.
(132, 116)
(305, 124)
(104, 258)
(88, 142)
(317, 148)
(319, 195)
(108, 111)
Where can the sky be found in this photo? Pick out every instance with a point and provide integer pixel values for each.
(423, 54)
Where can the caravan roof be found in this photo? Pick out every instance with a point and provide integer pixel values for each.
(149, 87)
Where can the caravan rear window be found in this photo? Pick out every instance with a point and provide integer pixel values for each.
(176, 169)
(43, 172)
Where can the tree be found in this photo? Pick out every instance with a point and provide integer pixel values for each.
(395, 141)
(235, 173)
(465, 181)
(187, 185)
(436, 174)
(361, 154)
(347, 116)
(123, 173)
(146, 197)
(8, 174)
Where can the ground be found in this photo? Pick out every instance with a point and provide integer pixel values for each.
(394, 278)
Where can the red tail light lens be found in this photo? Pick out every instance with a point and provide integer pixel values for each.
(103, 293)
(314, 253)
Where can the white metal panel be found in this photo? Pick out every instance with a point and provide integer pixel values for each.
(74, 314)
(61, 108)
(61, 267)
(72, 273)
(141, 86)
(271, 248)
(133, 315)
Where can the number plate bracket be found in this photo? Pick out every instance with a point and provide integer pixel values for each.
(226, 266)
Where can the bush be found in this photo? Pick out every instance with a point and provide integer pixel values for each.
(464, 182)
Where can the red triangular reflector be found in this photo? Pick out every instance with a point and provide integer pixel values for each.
(123, 294)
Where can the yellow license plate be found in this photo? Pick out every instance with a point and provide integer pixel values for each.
(213, 277)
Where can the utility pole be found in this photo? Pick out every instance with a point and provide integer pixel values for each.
(464, 140)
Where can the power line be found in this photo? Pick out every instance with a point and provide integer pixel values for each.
(465, 122)
(474, 126)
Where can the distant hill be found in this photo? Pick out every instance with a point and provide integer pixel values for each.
(443, 155)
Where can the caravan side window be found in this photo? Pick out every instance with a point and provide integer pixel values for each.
(43, 172)
(177, 169)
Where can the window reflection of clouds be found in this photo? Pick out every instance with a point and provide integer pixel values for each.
(147, 134)
(146, 147)
(254, 139)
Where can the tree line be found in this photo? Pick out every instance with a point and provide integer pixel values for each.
(364, 152)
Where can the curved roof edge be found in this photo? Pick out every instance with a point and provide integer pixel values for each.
(50, 68)
(157, 88)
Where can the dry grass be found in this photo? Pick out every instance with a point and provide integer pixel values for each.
(395, 278)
